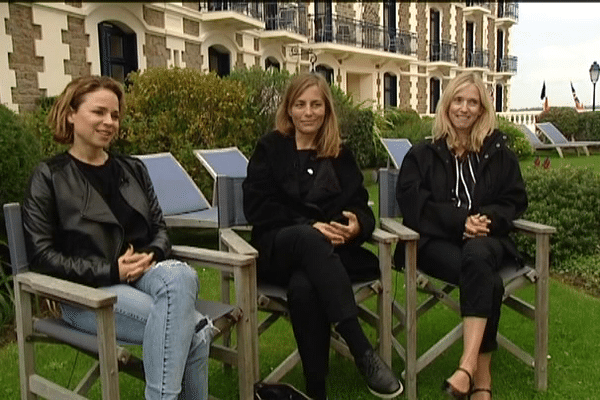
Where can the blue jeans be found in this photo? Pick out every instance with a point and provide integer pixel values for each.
(158, 311)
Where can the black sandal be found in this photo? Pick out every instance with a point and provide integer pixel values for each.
(453, 392)
(482, 390)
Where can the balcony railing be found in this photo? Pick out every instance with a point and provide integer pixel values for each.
(444, 51)
(508, 10)
(507, 64)
(249, 8)
(362, 34)
(287, 19)
(478, 59)
(483, 4)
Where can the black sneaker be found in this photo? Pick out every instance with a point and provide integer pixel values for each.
(380, 378)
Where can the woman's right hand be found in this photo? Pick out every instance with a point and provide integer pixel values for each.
(330, 233)
(476, 225)
(132, 265)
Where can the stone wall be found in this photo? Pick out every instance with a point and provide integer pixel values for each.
(154, 17)
(192, 57)
(422, 29)
(422, 100)
(371, 12)
(191, 27)
(78, 41)
(23, 59)
(156, 51)
(403, 17)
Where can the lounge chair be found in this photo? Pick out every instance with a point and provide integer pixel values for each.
(397, 149)
(556, 137)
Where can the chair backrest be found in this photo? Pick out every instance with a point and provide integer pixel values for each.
(388, 206)
(532, 137)
(230, 201)
(16, 238)
(552, 133)
(397, 149)
(176, 190)
(229, 161)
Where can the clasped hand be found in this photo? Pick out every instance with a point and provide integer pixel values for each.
(476, 225)
(338, 233)
(132, 265)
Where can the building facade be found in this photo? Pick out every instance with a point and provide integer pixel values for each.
(390, 53)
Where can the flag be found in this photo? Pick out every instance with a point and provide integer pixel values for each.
(578, 105)
(543, 91)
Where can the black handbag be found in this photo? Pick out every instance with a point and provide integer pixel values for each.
(277, 391)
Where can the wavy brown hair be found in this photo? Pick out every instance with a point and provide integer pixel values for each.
(72, 97)
(328, 140)
(483, 126)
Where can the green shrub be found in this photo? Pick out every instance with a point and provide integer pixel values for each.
(263, 94)
(566, 198)
(582, 271)
(178, 110)
(404, 123)
(589, 126)
(356, 126)
(19, 153)
(566, 119)
(516, 138)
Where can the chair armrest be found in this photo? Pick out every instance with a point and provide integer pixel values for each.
(382, 236)
(404, 233)
(236, 244)
(65, 291)
(213, 258)
(533, 228)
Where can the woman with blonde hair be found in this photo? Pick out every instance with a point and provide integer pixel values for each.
(91, 216)
(305, 199)
(461, 192)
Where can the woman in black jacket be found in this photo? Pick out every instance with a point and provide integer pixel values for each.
(461, 192)
(305, 199)
(92, 217)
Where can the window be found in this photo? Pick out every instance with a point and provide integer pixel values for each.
(389, 23)
(118, 51)
(434, 22)
(326, 72)
(469, 45)
(499, 98)
(323, 21)
(434, 94)
(500, 51)
(272, 63)
(219, 61)
(390, 92)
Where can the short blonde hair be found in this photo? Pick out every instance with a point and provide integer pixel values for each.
(72, 97)
(483, 126)
(328, 138)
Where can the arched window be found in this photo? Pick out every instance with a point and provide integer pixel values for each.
(390, 92)
(434, 94)
(326, 72)
(118, 50)
(219, 60)
(271, 62)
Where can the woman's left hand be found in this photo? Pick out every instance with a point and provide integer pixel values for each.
(350, 231)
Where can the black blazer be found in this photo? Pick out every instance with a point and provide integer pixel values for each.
(424, 191)
(272, 192)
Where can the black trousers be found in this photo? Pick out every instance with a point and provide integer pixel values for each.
(472, 265)
(319, 280)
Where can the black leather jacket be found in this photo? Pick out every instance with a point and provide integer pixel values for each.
(71, 232)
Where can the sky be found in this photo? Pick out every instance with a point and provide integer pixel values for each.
(556, 43)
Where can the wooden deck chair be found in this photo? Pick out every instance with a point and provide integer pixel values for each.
(556, 137)
(397, 149)
(273, 299)
(111, 356)
(181, 200)
(535, 141)
(514, 279)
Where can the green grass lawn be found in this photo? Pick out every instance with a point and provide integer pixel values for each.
(574, 346)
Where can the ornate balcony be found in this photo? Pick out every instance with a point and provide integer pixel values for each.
(349, 32)
(478, 59)
(476, 8)
(288, 25)
(444, 52)
(232, 14)
(506, 65)
(508, 14)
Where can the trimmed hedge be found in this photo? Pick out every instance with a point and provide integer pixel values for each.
(574, 125)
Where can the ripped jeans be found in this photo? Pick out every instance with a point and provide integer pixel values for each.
(158, 311)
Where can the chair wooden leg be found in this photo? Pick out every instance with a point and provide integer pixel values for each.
(24, 329)
(384, 303)
(541, 312)
(410, 273)
(107, 353)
